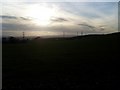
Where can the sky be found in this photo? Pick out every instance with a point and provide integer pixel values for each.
(60, 1)
(54, 18)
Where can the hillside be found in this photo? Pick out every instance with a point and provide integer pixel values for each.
(84, 62)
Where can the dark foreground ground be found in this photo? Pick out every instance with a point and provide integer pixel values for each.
(79, 63)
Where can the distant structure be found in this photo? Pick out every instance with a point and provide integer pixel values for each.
(63, 34)
(77, 33)
(81, 33)
(23, 35)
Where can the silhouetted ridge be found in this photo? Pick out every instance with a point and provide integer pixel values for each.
(112, 35)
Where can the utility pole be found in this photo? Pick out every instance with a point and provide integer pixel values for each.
(77, 33)
(63, 34)
(23, 35)
(81, 33)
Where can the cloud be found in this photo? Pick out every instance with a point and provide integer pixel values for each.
(58, 19)
(16, 23)
(102, 28)
(86, 25)
(13, 17)
(7, 17)
(69, 17)
(24, 18)
(95, 14)
(14, 26)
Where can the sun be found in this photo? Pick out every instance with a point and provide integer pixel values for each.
(40, 14)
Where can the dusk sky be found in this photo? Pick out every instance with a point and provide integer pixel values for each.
(42, 19)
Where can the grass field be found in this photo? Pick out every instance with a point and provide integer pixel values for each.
(81, 62)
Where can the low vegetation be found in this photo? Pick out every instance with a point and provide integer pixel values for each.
(62, 63)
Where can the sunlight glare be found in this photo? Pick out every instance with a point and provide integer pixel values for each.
(41, 14)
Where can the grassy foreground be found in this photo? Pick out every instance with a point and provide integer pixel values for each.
(85, 62)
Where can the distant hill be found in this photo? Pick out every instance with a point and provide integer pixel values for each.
(112, 35)
(84, 38)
